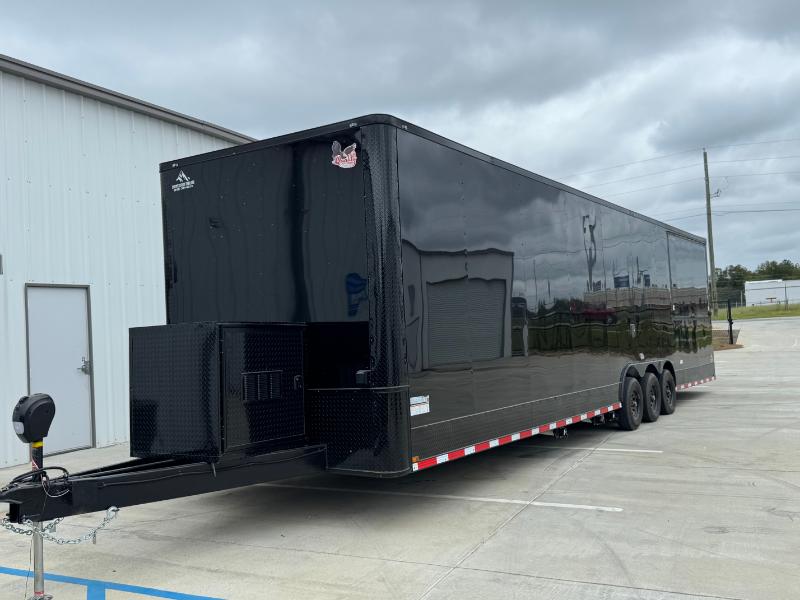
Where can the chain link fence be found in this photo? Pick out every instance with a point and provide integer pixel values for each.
(773, 295)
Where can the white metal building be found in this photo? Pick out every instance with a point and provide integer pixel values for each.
(81, 255)
(772, 291)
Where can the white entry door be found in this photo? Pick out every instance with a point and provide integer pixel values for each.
(59, 363)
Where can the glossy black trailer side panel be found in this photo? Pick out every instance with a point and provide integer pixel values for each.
(524, 302)
(275, 232)
(509, 299)
(367, 429)
(266, 235)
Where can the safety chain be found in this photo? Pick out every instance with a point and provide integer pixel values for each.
(28, 528)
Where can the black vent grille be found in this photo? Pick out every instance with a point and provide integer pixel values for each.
(262, 386)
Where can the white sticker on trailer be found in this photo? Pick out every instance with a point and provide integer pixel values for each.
(182, 182)
(420, 405)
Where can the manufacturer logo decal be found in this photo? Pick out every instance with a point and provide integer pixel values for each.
(182, 182)
(346, 159)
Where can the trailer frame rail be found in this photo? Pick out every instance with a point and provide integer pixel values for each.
(143, 481)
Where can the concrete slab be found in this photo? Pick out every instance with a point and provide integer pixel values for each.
(17, 588)
(704, 503)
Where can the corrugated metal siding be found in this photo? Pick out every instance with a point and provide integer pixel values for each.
(448, 323)
(80, 204)
(487, 300)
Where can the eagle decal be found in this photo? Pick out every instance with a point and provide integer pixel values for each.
(346, 159)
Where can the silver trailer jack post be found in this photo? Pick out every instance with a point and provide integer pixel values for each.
(32, 418)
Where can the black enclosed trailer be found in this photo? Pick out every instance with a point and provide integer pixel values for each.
(374, 299)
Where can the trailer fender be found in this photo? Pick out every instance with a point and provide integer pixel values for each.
(638, 369)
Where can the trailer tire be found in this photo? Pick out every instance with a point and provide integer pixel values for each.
(668, 393)
(630, 415)
(651, 391)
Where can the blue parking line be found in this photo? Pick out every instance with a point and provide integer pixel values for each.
(96, 589)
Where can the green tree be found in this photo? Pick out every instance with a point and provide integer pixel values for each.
(772, 269)
(730, 282)
(733, 276)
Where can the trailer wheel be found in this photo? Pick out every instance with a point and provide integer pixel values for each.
(651, 388)
(630, 415)
(667, 393)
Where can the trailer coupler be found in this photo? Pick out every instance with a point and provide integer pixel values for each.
(150, 480)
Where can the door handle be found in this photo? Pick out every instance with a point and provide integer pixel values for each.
(86, 366)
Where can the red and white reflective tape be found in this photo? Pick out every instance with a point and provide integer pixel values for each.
(689, 384)
(512, 437)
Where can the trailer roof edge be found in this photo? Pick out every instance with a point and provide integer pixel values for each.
(386, 119)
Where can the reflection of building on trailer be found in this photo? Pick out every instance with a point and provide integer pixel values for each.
(437, 331)
(386, 311)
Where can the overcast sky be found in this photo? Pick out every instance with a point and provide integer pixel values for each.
(560, 88)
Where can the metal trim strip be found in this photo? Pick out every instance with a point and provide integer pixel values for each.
(511, 437)
(686, 386)
(526, 433)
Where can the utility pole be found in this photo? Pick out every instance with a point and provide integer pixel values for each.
(713, 298)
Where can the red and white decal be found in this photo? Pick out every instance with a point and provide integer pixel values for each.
(688, 384)
(426, 463)
(512, 437)
(346, 159)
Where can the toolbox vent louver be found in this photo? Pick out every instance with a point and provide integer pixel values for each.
(261, 386)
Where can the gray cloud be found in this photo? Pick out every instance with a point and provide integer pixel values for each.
(558, 88)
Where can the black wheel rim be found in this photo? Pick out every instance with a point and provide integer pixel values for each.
(668, 395)
(636, 401)
(652, 398)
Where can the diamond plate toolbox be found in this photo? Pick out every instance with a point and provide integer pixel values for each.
(199, 390)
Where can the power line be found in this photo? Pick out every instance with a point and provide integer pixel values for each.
(724, 207)
(640, 176)
(716, 176)
(689, 166)
(686, 217)
(722, 213)
(656, 186)
(756, 143)
(717, 162)
(756, 174)
(734, 212)
(635, 162)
